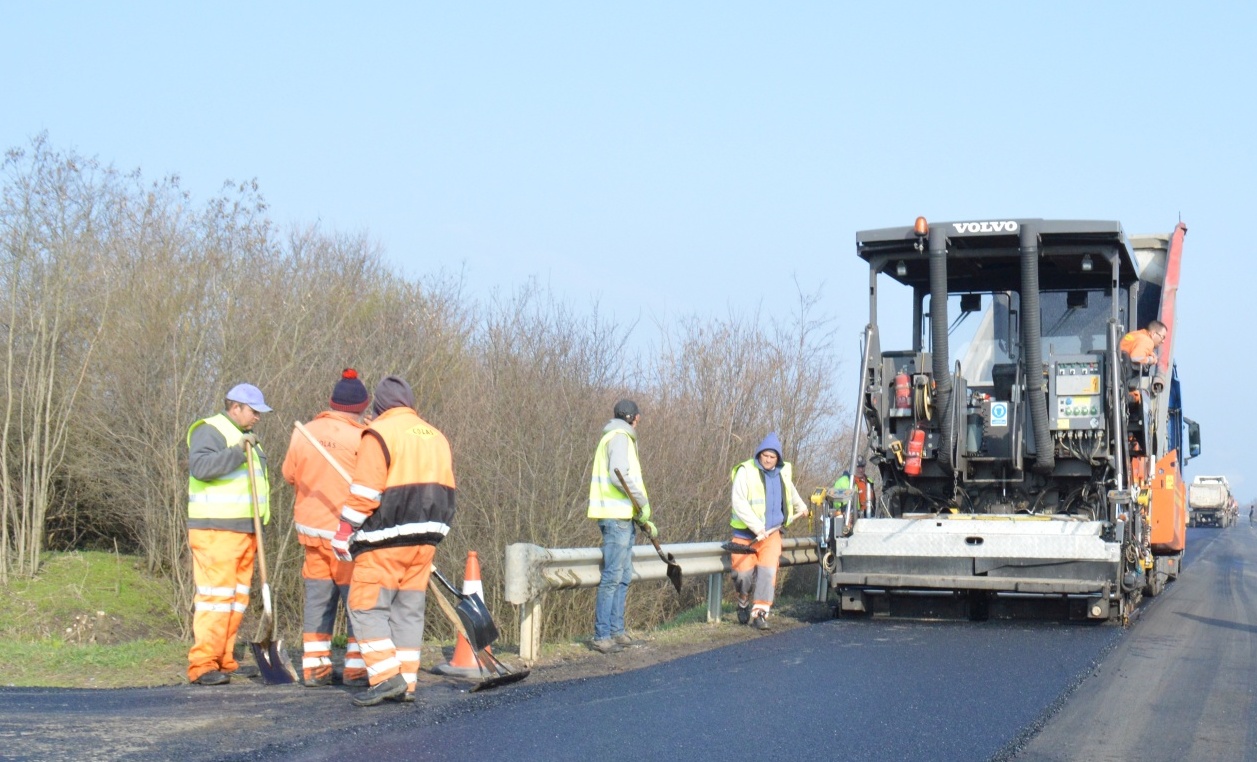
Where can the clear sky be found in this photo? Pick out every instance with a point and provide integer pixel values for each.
(668, 159)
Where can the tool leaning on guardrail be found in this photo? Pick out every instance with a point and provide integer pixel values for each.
(674, 569)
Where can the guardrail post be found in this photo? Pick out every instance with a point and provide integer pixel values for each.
(715, 595)
(530, 630)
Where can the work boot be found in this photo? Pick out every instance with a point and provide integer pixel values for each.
(607, 646)
(760, 622)
(626, 640)
(406, 697)
(317, 682)
(390, 688)
(245, 670)
(213, 677)
(355, 682)
(744, 613)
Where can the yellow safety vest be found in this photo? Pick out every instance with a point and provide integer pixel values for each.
(224, 503)
(607, 499)
(756, 496)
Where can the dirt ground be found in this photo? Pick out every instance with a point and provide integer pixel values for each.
(250, 720)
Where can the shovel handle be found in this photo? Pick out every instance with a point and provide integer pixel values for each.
(323, 451)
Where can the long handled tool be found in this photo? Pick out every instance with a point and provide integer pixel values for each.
(674, 569)
(470, 618)
(737, 547)
(268, 650)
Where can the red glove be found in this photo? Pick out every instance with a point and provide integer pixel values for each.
(340, 543)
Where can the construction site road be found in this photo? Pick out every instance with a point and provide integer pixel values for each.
(1171, 687)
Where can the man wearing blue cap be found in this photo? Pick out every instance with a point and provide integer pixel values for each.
(220, 530)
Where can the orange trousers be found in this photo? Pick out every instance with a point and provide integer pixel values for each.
(386, 607)
(327, 581)
(222, 569)
(755, 574)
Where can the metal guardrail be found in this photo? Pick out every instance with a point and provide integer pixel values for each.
(532, 571)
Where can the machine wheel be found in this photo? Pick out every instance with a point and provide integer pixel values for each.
(1155, 584)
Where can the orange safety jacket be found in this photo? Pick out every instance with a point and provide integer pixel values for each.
(320, 490)
(403, 489)
(1139, 345)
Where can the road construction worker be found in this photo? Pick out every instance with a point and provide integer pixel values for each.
(321, 491)
(400, 506)
(764, 502)
(1141, 346)
(220, 530)
(613, 509)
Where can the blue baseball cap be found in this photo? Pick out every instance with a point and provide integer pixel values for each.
(250, 395)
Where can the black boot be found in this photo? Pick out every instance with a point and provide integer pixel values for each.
(390, 688)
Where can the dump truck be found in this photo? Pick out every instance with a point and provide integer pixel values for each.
(1211, 503)
(1041, 470)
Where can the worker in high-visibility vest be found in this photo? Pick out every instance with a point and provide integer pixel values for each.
(613, 509)
(764, 501)
(220, 530)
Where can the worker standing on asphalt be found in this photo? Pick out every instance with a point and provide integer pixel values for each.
(1142, 345)
(763, 498)
(613, 510)
(400, 506)
(320, 493)
(220, 530)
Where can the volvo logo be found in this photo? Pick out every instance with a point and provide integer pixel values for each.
(997, 226)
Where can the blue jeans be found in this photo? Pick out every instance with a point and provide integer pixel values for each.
(617, 572)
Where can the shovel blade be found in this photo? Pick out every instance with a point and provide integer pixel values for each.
(273, 662)
(674, 574)
(481, 631)
(499, 680)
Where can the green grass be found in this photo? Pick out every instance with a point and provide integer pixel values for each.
(89, 619)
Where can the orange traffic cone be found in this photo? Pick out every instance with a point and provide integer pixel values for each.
(464, 663)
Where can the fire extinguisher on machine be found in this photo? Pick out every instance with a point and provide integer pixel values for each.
(903, 391)
(916, 445)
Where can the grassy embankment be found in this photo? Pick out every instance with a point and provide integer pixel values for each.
(89, 620)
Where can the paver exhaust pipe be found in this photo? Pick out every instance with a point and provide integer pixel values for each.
(1032, 343)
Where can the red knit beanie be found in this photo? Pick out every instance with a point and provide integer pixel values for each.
(350, 394)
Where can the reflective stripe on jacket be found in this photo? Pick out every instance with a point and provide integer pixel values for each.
(607, 499)
(403, 490)
(224, 502)
(753, 481)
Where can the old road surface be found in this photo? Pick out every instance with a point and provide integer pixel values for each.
(1174, 686)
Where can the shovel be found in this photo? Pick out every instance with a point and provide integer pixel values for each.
(268, 650)
(674, 569)
(739, 548)
(470, 618)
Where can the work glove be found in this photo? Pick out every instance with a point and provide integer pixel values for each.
(340, 543)
(643, 513)
(649, 526)
(250, 438)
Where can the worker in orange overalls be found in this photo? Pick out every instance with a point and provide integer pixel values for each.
(400, 506)
(320, 493)
(220, 530)
(1142, 345)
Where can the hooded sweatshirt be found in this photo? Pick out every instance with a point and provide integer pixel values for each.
(773, 514)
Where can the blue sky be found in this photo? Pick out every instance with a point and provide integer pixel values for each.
(669, 159)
